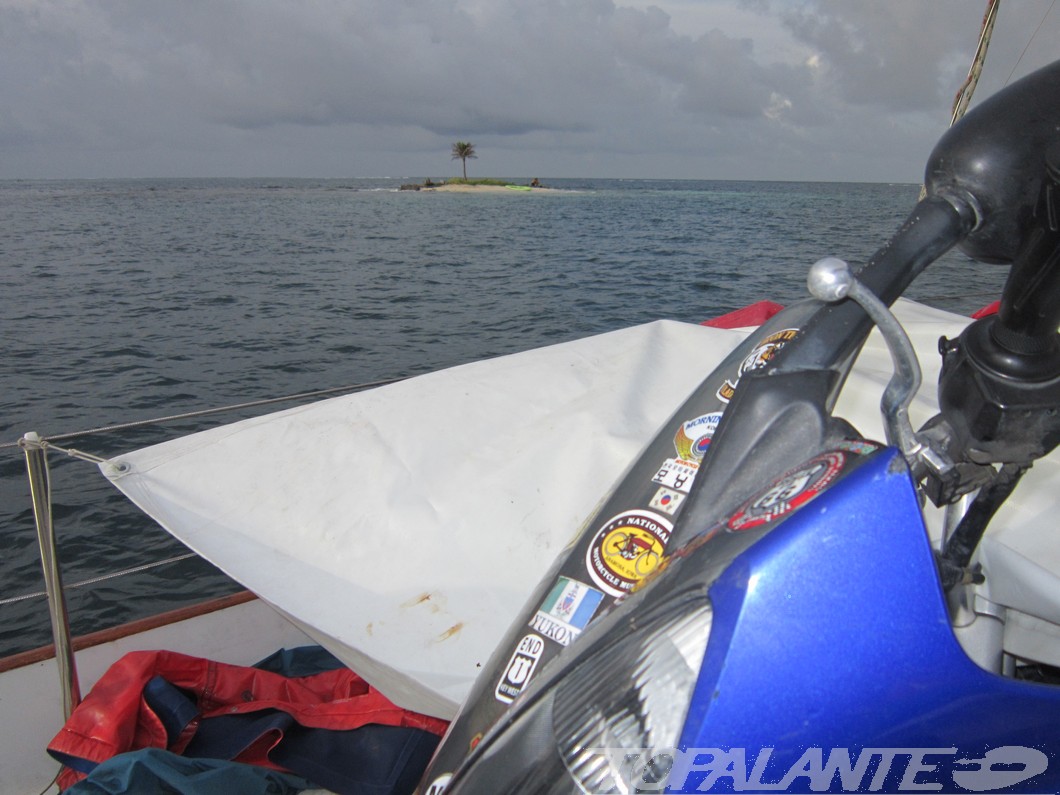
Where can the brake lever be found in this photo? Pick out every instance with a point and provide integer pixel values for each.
(831, 280)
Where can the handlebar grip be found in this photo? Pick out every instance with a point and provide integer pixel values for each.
(1030, 304)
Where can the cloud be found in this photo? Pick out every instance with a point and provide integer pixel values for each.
(613, 87)
(877, 53)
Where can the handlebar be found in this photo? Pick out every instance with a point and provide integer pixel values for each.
(990, 191)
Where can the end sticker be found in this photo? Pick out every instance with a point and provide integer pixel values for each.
(520, 668)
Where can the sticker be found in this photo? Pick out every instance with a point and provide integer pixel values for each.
(626, 550)
(676, 474)
(566, 611)
(667, 501)
(858, 446)
(756, 359)
(520, 668)
(791, 491)
(439, 784)
(693, 438)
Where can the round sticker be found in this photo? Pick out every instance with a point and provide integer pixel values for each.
(693, 438)
(626, 550)
(794, 489)
(757, 359)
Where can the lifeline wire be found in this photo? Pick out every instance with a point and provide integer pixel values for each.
(101, 578)
(48, 444)
(208, 412)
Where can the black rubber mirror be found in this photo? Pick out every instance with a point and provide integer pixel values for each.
(1000, 385)
(996, 154)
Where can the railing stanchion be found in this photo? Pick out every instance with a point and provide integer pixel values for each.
(40, 492)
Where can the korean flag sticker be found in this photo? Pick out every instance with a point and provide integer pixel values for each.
(667, 501)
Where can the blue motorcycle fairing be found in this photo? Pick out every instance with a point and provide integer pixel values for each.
(831, 632)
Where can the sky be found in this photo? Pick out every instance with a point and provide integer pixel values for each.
(832, 90)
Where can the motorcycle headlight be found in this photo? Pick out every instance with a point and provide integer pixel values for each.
(624, 704)
(591, 721)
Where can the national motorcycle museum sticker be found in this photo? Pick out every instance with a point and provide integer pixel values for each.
(520, 668)
(626, 550)
(756, 359)
(693, 437)
(566, 611)
(791, 491)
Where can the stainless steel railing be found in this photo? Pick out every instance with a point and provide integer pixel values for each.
(40, 493)
(35, 449)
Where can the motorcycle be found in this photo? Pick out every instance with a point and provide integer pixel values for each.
(759, 606)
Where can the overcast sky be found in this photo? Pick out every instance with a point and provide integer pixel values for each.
(704, 89)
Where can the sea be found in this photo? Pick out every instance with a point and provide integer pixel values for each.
(124, 301)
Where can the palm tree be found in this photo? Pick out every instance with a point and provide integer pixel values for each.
(462, 150)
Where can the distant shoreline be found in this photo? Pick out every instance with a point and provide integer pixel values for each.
(474, 187)
(446, 188)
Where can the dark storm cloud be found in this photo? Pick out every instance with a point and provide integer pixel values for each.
(356, 87)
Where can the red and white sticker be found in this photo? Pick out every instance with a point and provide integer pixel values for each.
(791, 491)
(667, 501)
(676, 474)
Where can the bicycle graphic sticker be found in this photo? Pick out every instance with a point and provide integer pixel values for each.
(626, 550)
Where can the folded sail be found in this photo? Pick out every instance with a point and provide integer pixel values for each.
(405, 526)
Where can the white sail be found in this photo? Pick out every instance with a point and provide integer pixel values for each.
(405, 526)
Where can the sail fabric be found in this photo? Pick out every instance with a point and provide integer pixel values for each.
(404, 527)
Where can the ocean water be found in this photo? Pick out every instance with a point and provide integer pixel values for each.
(129, 300)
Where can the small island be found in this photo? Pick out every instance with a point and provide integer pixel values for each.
(464, 151)
(459, 185)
